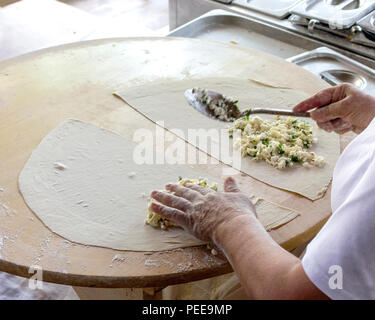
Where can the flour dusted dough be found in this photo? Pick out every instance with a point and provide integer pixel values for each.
(165, 101)
(83, 183)
(267, 217)
(95, 200)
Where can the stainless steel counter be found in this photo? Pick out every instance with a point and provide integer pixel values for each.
(335, 65)
(182, 12)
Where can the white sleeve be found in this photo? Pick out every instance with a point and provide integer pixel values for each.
(340, 260)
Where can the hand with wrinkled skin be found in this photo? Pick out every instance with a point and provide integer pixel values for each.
(340, 109)
(227, 219)
(201, 211)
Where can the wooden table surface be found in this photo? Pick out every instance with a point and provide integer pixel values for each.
(40, 90)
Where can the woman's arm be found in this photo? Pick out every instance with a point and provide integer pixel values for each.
(266, 271)
(228, 220)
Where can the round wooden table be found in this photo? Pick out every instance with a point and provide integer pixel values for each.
(40, 90)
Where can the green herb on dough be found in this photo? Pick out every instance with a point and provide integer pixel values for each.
(280, 149)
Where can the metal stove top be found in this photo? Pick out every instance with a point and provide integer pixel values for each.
(355, 34)
(276, 8)
(337, 14)
(368, 23)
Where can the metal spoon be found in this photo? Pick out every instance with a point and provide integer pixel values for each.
(198, 99)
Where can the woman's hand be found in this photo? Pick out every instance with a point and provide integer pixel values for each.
(227, 219)
(341, 109)
(202, 211)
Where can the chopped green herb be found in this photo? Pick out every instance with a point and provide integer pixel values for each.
(280, 149)
(231, 136)
(266, 142)
(306, 144)
(235, 102)
(179, 178)
(248, 114)
(295, 159)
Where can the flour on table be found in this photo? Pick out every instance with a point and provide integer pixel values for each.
(119, 258)
(94, 202)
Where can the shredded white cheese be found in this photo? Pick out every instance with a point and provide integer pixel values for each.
(156, 221)
(282, 143)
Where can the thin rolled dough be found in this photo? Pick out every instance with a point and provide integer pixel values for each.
(155, 100)
(82, 182)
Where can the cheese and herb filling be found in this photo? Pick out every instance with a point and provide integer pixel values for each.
(157, 221)
(282, 142)
(220, 107)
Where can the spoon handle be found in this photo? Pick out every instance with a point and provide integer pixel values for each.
(281, 112)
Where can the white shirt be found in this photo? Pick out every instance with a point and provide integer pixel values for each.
(342, 255)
